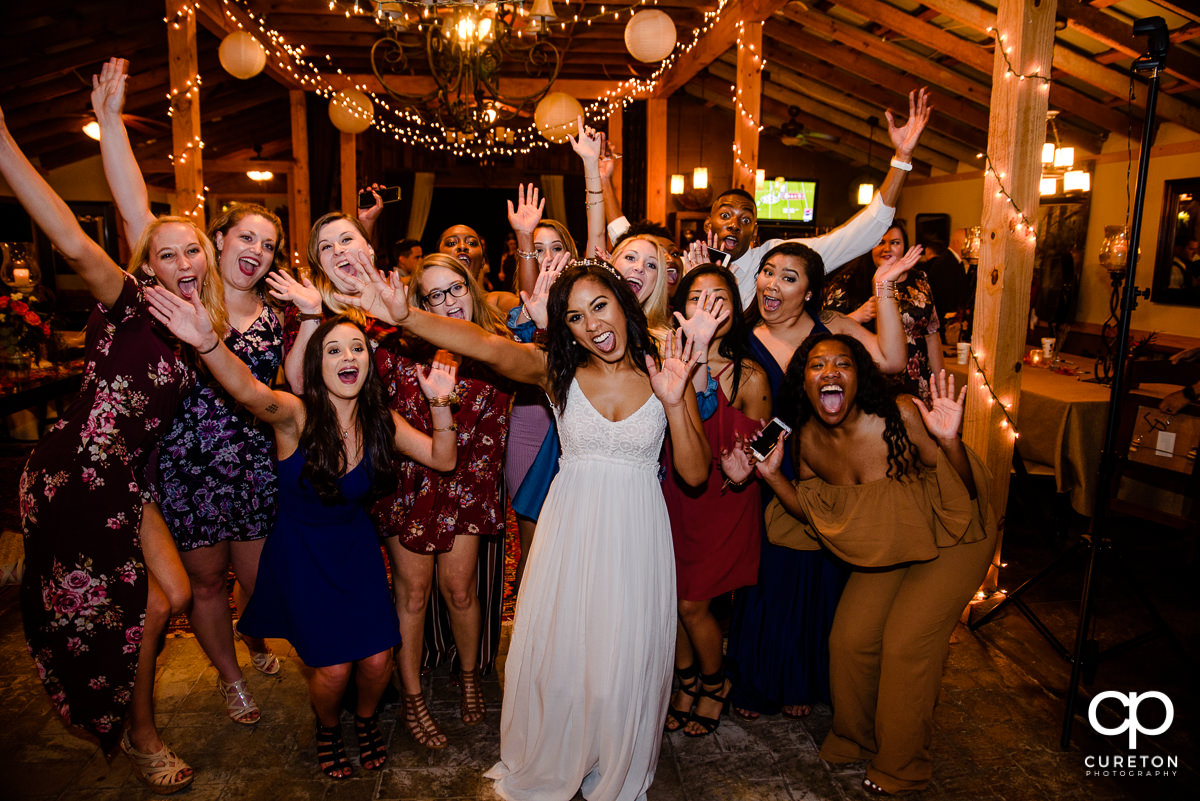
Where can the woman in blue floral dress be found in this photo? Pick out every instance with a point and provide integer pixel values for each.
(214, 480)
(97, 592)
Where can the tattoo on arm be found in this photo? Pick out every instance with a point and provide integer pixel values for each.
(828, 316)
(272, 408)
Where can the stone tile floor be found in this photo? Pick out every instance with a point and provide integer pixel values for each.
(997, 723)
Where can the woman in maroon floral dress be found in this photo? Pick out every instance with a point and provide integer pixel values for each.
(97, 592)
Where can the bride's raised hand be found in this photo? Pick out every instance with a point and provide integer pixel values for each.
(672, 380)
(944, 413)
(185, 318)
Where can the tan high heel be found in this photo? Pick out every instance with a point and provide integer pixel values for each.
(420, 723)
(239, 703)
(159, 771)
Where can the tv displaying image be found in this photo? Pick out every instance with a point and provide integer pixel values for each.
(793, 201)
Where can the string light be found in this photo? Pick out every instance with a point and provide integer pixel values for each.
(1006, 50)
(1021, 225)
(1007, 423)
(742, 114)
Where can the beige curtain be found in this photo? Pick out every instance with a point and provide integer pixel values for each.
(556, 202)
(422, 199)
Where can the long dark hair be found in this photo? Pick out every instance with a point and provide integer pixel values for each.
(852, 284)
(735, 345)
(814, 271)
(321, 439)
(563, 355)
(876, 395)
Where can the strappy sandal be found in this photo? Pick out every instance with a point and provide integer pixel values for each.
(239, 703)
(420, 722)
(265, 662)
(372, 750)
(161, 771)
(871, 788)
(331, 752)
(714, 687)
(473, 707)
(678, 718)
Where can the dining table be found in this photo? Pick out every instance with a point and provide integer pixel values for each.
(1061, 419)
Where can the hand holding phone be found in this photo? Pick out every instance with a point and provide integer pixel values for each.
(387, 194)
(718, 256)
(762, 445)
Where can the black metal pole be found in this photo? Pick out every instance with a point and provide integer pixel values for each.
(1108, 459)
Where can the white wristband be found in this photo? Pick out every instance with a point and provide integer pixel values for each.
(901, 165)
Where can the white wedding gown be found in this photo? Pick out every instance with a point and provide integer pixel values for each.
(588, 674)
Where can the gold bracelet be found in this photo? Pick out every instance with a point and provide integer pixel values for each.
(444, 400)
(452, 427)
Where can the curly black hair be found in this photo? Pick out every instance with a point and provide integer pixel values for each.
(563, 354)
(321, 439)
(876, 395)
(735, 345)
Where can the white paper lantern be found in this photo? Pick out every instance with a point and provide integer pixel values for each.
(241, 55)
(351, 111)
(650, 35)
(556, 116)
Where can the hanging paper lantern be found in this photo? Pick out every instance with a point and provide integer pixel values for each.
(556, 116)
(650, 35)
(351, 111)
(241, 55)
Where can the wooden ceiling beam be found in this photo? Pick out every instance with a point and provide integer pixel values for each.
(1112, 32)
(211, 14)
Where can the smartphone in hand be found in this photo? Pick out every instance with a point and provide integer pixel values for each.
(388, 194)
(762, 445)
(717, 256)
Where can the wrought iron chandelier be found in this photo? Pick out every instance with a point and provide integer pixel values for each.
(464, 44)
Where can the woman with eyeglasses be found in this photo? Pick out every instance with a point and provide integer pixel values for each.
(444, 531)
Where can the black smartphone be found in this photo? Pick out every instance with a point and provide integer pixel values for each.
(762, 445)
(717, 256)
(388, 194)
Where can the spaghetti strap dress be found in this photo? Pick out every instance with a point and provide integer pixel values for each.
(779, 637)
(589, 668)
(322, 584)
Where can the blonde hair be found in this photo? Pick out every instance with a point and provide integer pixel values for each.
(658, 315)
(483, 314)
(318, 277)
(212, 288)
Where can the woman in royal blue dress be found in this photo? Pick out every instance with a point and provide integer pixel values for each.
(322, 581)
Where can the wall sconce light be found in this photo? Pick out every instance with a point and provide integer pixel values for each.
(700, 178)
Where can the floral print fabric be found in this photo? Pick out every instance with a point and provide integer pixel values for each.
(215, 467)
(920, 319)
(83, 597)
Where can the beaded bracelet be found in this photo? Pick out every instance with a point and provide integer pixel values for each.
(594, 191)
(527, 254)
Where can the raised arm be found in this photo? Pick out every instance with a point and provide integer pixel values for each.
(188, 320)
(888, 346)
(941, 420)
(904, 139)
(116, 154)
(524, 220)
(690, 450)
(387, 300)
(103, 277)
(439, 449)
(307, 300)
(588, 146)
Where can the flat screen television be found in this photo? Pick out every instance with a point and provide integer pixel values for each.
(787, 201)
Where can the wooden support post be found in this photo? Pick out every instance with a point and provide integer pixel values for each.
(1016, 131)
(185, 111)
(656, 159)
(616, 142)
(747, 115)
(349, 175)
(299, 197)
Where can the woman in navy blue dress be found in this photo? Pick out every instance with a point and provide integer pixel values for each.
(322, 581)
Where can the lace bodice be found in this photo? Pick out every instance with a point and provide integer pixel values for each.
(586, 435)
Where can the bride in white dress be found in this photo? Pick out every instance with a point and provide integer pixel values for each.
(589, 667)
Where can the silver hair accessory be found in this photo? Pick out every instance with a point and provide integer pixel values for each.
(593, 262)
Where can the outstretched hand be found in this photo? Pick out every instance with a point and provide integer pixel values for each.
(535, 304)
(945, 412)
(673, 379)
(385, 298)
(897, 269)
(905, 138)
(710, 314)
(441, 377)
(108, 89)
(185, 318)
(588, 144)
(528, 212)
(736, 462)
(302, 294)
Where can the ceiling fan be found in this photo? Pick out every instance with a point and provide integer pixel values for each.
(793, 133)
